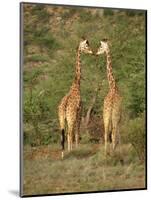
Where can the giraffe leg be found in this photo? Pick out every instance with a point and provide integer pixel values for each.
(61, 115)
(70, 138)
(70, 135)
(68, 141)
(116, 118)
(115, 136)
(119, 142)
(77, 133)
(107, 111)
(63, 139)
(106, 127)
(77, 136)
(118, 137)
(120, 152)
(78, 122)
(115, 128)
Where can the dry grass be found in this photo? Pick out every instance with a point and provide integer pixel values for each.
(82, 170)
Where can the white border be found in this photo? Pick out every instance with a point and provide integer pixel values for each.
(9, 100)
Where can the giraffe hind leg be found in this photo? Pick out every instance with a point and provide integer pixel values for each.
(115, 129)
(70, 132)
(78, 122)
(61, 116)
(63, 139)
(115, 136)
(106, 134)
(77, 134)
(70, 138)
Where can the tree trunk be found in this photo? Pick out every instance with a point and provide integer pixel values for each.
(92, 103)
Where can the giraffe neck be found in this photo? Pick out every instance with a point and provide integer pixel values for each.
(77, 78)
(111, 79)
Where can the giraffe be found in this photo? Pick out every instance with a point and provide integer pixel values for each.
(70, 107)
(112, 102)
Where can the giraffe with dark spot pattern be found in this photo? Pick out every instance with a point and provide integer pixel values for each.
(69, 110)
(112, 102)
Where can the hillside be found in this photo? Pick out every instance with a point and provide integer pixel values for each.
(51, 35)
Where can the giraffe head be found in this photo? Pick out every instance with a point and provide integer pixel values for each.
(103, 48)
(84, 47)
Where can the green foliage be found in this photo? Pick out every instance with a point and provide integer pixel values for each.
(31, 77)
(68, 13)
(131, 13)
(85, 16)
(137, 99)
(36, 58)
(36, 30)
(137, 136)
(108, 12)
(41, 13)
(134, 133)
(51, 36)
(46, 40)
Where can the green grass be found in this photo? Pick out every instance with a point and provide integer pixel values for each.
(37, 58)
(82, 170)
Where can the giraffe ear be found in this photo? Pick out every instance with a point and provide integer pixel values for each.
(87, 42)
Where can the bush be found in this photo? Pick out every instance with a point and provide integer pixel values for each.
(40, 12)
(48, 41)
(69, 13)
(135, 134)
(131, 13)
(85, 16)
(108, 12)
(36, 58)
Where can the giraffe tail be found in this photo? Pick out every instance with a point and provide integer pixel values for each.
(63, 141)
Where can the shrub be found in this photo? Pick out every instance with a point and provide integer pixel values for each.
(40, 12)
(69, 13)
(135, 134)
(49, 42)
(108, 12)
(45, 40)
(36, 58)
(131, 13)
(85, 16)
